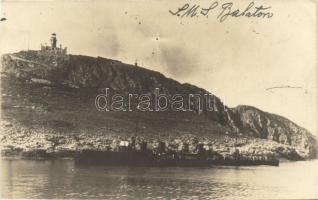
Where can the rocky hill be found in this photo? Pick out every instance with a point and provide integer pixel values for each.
(257, 123)
(48, 103)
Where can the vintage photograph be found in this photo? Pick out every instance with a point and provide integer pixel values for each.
(159, 99)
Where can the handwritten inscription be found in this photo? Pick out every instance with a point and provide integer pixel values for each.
(223, 11)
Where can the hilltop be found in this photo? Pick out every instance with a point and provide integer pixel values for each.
(48, 103)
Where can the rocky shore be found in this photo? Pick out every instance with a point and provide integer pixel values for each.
(18, 142)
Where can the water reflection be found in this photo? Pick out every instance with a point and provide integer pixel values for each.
(63, 179)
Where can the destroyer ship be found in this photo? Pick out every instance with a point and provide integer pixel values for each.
(126, 154)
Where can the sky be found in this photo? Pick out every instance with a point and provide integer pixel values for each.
(238, 59)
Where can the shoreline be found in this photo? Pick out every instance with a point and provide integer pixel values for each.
(52, 146)
(70, 155)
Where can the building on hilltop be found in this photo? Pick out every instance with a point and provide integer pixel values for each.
(53, 53)
(53, 41)
(53, 49)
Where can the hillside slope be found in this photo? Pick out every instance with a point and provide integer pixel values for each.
(254, 122)
(48, 102)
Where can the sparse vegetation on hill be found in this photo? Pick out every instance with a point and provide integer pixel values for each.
(48, 103)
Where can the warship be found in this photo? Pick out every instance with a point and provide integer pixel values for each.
(161, 157)
(127, 154)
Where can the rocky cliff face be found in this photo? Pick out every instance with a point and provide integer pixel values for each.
(56, 94)
(257, 123)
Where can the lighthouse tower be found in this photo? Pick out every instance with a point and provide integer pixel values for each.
(54, 53)
(53, 49)
(53, 41)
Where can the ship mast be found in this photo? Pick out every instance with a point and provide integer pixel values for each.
(235, 141)
(136, 130)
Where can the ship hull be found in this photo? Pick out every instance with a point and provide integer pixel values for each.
(149, 159)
